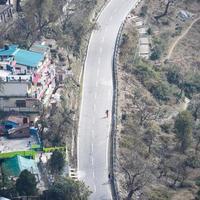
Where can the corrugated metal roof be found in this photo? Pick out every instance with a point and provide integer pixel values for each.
(23, 57)
(39, 48)
(9, 51)
(28, 58)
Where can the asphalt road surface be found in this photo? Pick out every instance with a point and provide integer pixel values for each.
(94, 126)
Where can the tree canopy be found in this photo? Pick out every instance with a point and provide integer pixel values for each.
(183, 128)
(26, 183)
(67, 189)
(57, 161)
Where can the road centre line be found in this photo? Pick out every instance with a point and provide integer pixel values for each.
(92, 148)
(95, 188)
(92, 160)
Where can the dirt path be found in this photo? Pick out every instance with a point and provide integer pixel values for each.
(180, 37)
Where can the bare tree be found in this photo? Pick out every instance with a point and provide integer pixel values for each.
(196, 135)
(194, 106)
(136, 173)
(145, 109)
(162, 164)
(149, 136)
(165, 11)
(176, 170)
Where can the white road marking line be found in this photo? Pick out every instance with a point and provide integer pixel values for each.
(103, 39)
(92, 148)
(95, 95)
(96, 83)
(92, 160)
(94, 107)
(95, 188)
(93, 174)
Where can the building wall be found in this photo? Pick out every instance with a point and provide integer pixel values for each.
(11, 89)
(22, 104)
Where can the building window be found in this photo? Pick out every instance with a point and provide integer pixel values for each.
(20, 103)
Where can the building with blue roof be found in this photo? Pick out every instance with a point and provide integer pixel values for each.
(28, 58)
(8, 51)
(28, 75)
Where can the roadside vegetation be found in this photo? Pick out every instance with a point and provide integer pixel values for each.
(61, 189)
(67, 25)
(158, 149)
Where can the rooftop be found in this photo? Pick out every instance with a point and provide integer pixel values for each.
(10, 145)
(28, 58)
(7, 76)
(14, 166)
(23, 57)
(39, 48)
(8, 51)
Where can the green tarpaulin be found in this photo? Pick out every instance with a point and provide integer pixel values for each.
(14, 166)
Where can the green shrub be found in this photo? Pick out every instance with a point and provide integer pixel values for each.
(160, 91)
(197, 182)
(173, 75)
(149, 31)
(166, 127)
(124, 39)
(198, 196)
(144, 72)
(193, 162)
(143, 11)
(155, 55)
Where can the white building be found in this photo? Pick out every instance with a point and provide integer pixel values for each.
(17, 96)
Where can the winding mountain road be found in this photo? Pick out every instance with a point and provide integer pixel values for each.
(97, 93)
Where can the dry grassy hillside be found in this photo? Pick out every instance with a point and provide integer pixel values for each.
(159, 114)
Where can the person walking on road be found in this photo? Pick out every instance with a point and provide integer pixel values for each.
(107, 113)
